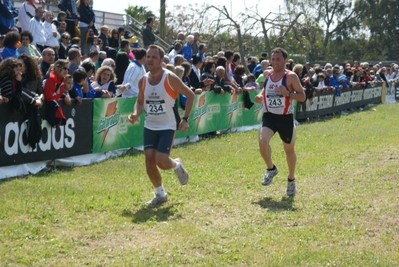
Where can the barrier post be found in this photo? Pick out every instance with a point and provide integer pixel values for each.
(383, 92)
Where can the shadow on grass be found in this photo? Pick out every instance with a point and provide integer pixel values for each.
(286, 203)
(151, 214)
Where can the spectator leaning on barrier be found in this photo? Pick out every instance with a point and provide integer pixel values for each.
(105, 81)
(54, 90)
(26, 102)
(31, 74)
(11, 86)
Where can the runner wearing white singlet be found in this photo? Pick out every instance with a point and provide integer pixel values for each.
(158, 90)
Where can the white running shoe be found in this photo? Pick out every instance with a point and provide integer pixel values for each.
(269, 175)
(291, 188)
(158, 200)
(181, 172)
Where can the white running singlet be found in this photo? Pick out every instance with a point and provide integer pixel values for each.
(159, 101)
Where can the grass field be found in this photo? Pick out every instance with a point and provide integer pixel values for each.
(345, 212)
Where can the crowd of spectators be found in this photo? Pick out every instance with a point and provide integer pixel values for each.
(68, 58)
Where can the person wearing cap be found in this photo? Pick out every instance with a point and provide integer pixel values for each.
(149, 37)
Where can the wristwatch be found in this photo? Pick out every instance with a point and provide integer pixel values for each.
(185, 119)
(290, 94)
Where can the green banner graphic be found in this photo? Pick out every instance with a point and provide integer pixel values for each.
(111, 128)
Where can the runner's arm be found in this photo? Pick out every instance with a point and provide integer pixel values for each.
(295, 88)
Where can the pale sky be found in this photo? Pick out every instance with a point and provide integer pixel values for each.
(118, 6)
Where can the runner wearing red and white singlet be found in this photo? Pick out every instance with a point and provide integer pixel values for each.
(280, 87)
(272, 101)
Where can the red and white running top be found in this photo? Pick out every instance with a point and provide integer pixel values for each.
(272, 102)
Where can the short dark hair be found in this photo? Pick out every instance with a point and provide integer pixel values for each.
(201, 46)
(177, 46)
(79, 74)
(60, 14)
(148, 21)
(139, 53)
(124, 43)
(73, 53)
(280, 50)
(196, 59)
(93, 53)
(236, 56)
(228, 54)
(27, 34)
(239, 70)
(11, 39)
(88, 66)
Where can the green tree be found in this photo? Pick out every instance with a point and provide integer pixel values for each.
(323, 18)
(381, 18)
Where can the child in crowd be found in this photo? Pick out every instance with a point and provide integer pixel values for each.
(67, 88)
(93, 43)
(79, 79)
(250, 82)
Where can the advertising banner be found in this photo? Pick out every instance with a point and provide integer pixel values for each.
(67, 140)
(328, 102)
(111, 128)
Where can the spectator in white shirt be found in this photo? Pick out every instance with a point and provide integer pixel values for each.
(134, 72)
(37, 30)
(26, 12)
(175, 51)
(51, 33)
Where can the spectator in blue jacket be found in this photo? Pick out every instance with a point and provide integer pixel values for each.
(187, 49)
(7, 15)
(338, 81)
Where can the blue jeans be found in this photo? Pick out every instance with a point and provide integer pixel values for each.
(83, 42)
